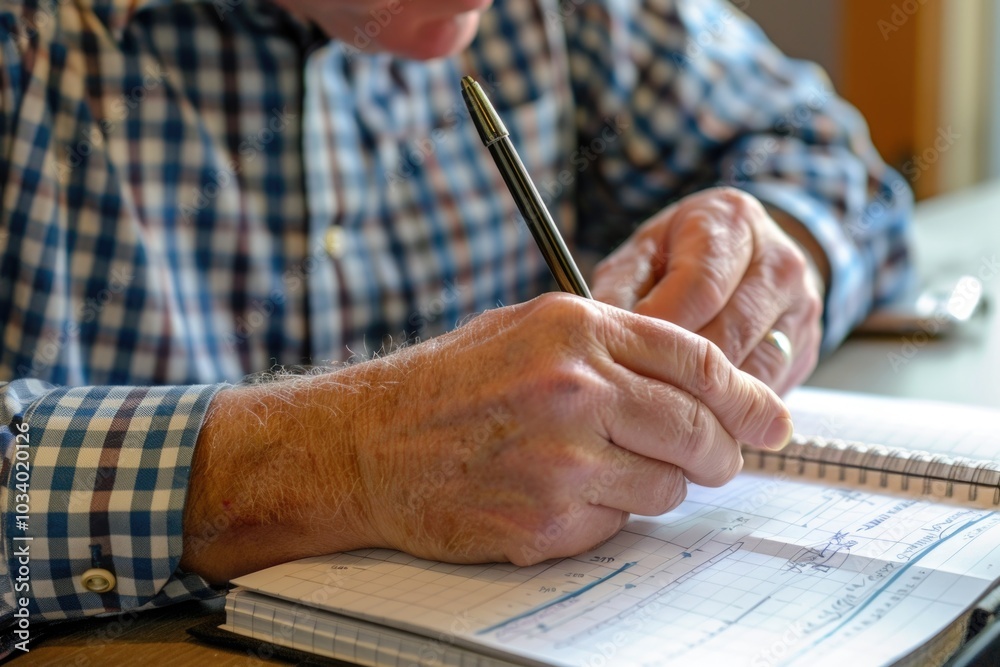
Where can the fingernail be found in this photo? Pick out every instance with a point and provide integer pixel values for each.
(779, 433)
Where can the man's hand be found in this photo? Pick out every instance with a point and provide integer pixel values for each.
(530, 433)
(716, 263)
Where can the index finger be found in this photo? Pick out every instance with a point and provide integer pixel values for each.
(746, 407)
(708, 257)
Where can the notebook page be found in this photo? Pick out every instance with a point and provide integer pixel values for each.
(763, 571)
(932, 426)
(280, 622)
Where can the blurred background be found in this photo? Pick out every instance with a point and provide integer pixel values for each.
(925, 73)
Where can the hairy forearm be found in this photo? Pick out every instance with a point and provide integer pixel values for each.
(501, 440)
(274, 477)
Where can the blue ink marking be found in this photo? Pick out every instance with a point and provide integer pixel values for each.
(685, 554)
(893, 578)
(558, 600)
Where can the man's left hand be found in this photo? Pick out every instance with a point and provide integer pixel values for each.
(717, 264)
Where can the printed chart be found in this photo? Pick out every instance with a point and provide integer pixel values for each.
(761, 572)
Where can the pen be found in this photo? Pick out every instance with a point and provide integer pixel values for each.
(529, 202)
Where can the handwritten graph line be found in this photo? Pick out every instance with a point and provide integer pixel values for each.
(558, 600)
(875, 594)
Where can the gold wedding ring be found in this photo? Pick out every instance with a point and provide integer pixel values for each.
(779, 340)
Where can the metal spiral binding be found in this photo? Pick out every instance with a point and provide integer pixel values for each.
(920, 466)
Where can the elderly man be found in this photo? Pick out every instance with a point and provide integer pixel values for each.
(196, 191)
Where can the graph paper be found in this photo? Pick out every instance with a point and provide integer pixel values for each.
(764, 571)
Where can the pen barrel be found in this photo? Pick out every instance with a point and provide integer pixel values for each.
(536, 216)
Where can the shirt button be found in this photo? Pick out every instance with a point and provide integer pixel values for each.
(98, 580)
(334, 241)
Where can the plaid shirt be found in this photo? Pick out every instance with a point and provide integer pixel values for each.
(193, 191)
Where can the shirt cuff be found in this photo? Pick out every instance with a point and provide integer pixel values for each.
(106, 472)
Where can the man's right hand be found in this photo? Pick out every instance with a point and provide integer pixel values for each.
(532, 432)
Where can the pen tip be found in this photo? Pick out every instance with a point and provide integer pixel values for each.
(484, 116)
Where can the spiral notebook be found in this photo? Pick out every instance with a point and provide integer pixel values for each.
(924, 449)
(837, 550)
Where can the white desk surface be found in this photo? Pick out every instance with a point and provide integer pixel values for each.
(958, 232)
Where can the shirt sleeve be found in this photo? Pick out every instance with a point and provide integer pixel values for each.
(95, 477)
(675, 96)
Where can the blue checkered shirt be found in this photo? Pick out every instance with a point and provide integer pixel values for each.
(196, 190)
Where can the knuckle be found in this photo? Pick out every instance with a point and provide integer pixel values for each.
(736, 196)
(566, 466)
(814, 308)
(562, 391)
(730, 466)
(738, 402)
(713, 369)
(769, 366)
(558, 325)
(808, 356)
(789, 262)
(712, 289)
(690, 432)
(564, 309)
(668, 492)
(739, 337)
(705, 457)
(742, 329)
(746, 338)
(796, 264)
(740, 201)
(564, 378)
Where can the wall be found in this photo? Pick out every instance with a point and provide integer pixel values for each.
(809, 30)
(966, 91)
(925, 74)
(993, 168)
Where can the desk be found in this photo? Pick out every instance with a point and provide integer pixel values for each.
(958, 233)
(150, 639)
(961, 232)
